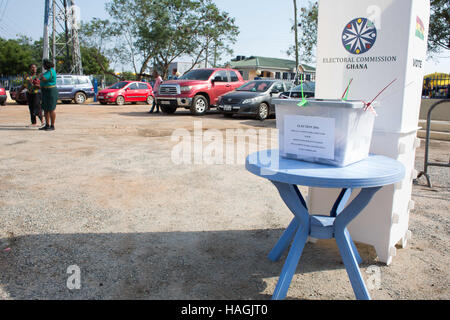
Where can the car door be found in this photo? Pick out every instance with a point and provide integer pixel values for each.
(221, 84)
(59, 84)
(234, 80)
(65, 89)
(144, 91)
(132, 92)
(275, 92)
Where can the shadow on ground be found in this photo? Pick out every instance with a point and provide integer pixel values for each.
(163, 265)
(18, 128)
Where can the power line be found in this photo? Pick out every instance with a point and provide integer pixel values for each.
(4, 10)
(7, 32)
(60, 23)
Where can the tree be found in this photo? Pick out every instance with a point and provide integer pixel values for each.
(438, 39)
(439, 35)
(93, 61)
(97, 34)
(307, 33)
(14, 57)
(157, 32)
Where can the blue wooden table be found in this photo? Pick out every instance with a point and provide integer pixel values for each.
(369, 175)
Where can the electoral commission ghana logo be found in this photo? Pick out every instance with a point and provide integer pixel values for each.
(359, 35)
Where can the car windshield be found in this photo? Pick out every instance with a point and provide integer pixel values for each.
(197, 75)
(307, 86)
(118, 85)
(256, 86)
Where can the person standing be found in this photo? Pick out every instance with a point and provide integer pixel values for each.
(158, 81)
(31, 83)
(175, 74)
(49, 95)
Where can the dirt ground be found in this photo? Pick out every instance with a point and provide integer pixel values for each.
(102, 192)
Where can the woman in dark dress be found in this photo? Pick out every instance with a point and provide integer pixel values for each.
(49, 95)
(31, 82)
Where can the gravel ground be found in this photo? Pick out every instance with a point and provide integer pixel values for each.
(102, 193)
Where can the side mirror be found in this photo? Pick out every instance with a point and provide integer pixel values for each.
(217, 79)
(275, 91)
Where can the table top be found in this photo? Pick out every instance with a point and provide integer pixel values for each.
(374, 171)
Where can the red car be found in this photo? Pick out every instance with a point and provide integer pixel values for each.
(198, 90)
(127, 91)
(2, 96)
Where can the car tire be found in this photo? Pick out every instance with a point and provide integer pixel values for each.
(66, 101)
(120, 100)
(80, 98)
(150, 100)
(168, 109)
(199, 106)
(263, 111)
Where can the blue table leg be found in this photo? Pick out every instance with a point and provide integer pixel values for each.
(284, 241)
(338, 206)
(351, 265)
(291, 263)
(354, 249)
(345, 244)
(295, 202)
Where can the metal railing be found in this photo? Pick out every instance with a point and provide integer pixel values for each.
(427, 145)
(8, 82)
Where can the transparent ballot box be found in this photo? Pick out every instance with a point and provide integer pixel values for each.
(332, 132)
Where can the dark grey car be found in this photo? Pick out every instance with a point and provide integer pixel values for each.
(253, 98)
(70, 88)
(309, 89)
(74, 87)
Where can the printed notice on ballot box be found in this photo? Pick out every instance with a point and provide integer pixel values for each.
(309, 136)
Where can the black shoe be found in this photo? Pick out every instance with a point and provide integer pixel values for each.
(46, 127)
(51, 128)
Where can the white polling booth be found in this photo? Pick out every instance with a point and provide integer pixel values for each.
(371, 43)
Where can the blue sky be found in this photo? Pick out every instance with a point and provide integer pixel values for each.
(264, 24)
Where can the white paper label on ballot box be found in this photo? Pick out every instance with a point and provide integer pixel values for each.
(309, 136)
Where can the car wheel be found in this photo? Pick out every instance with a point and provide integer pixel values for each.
(263, 111)
(66, 101)
(199, 106)
(120, 101)
(80, 98)
(150, 100)
(168, 109)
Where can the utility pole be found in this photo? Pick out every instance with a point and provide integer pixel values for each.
(45, 54)
(54, 33)
(66, 44)
(64, 30)
(296, 38)
(77, 67)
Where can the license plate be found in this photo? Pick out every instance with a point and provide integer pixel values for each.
(165, 102)
(227, 108)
